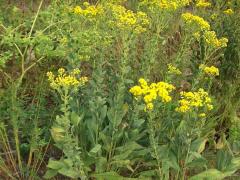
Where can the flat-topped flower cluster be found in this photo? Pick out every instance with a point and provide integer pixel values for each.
(152, 92)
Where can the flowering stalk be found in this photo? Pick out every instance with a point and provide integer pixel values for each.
(66, 84)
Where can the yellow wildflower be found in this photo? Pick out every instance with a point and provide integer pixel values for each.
(83, 80)
(197, 35)
(89, 11)
(168, 5)
(136, 90)
(142, 82)
(209, 107)
(202, 115)
(199, 22)
(66, 80)
(194, 100)
(153, 91)
(184, 106)
(228, 11)
(212, 71)
(149, 106)
(76, 71)
(214, 16)
(203, 3)
(77, 10)
(173, 70)
(127, 19)
(61, 71)
(148, 98)
(211, 39)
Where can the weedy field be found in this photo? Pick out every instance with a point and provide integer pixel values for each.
(120, 89)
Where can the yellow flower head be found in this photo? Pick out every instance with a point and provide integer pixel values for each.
(212, 40)
(136, 90)
(149, 107)
(228, 11)
(66, 80)
(203, 3)
(173, 70)
(152, 92)
(89, 10)
(214, 16)
(212, 70)
(142, 82)
(197, 21)
(198, 100)
(167, 5)
(202, 115)
(126, 19)
(61, 71)
(76, 71)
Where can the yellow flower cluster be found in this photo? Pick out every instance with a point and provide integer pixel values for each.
(173, 70)
(228, 11)
(199, 100)
(168, 5)
(127, 19)
(214, 16)
(203, 3)
(89, 10)
(212, 71)
(66, 80)
(197, 21)
(165, 4)
(152, 92)
(211, 39)
(201, 25)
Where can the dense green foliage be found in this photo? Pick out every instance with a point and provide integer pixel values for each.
(120, 89)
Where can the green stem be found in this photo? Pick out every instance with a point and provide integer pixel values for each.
(153, 143)
(35, 19)
(14, 119)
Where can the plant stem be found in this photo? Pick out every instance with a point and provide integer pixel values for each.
(153, 143)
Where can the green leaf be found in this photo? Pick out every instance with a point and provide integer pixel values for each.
(106, 141)
(56, 165)
(148, 175)
(50, 174)
(103, 112)
(121, 163)
(123, 152)
(110, 176)
(76, 119)
(69, 173)
(233, 167)
(138, 123)
(173, 162)
(195, 160)
(198, 145)
(211, 174)
(68, 162)
(101, 164)
(96, 149)
(223, 159)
